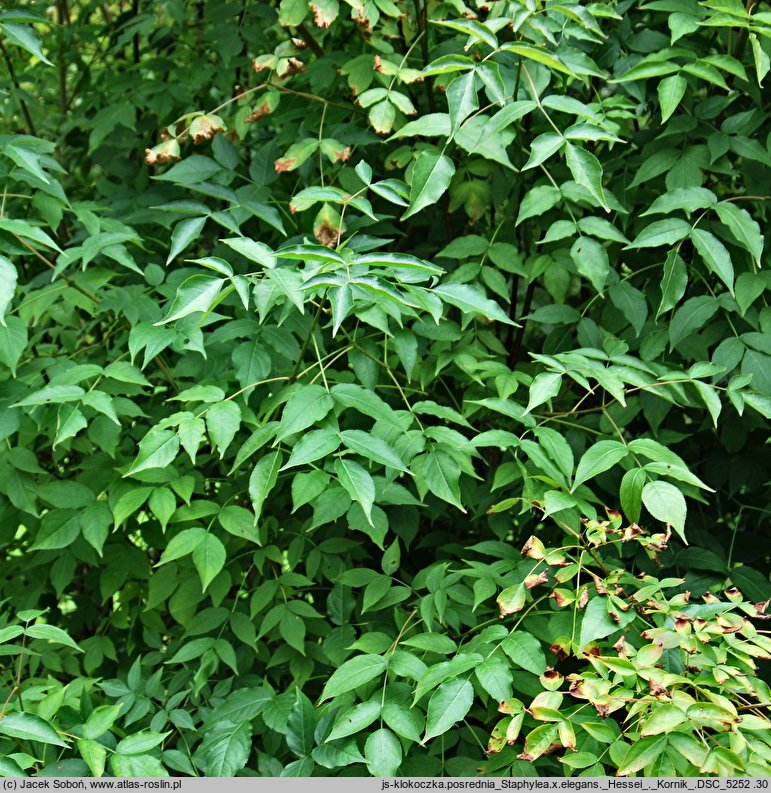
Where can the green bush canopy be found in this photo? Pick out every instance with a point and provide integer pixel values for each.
(384, 388)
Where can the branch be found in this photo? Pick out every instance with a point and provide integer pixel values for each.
(24, 108)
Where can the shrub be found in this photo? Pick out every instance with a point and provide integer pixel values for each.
(281, 403)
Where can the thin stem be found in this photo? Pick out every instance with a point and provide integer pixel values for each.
(421, 20)
(14, 689)
(321, 363)
(254, 385)
(19, 667)
(321, 134)
(314, 98)
(514, 352)
(52, 266)
(312, 328)
(310, 40)
(24, 108)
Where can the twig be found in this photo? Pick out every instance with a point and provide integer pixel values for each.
(514, 352)
(14, 80)
(310, 40)
(52, 266)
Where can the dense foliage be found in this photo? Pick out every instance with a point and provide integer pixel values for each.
(384, 388)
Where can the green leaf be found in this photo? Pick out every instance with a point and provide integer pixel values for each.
(545, 386)
(404, 721)
(690, 317)
(336, 755)
(537, 201)
(671, 91)
(300, 726)
(357, 483)
(661, 232)
(673, 283)
(313, 446)
(743, 228)
(539, 55)
(100, 720)
(291, 13)
(663, 718)
(641, 755)
(58, 529)
(184, 233)
(512, 599)
(631, 303)
(382, 116)
(715, 255)
(688, 199)
(225, 749)
(307, 406)
(28, 727)
(461, 99)
(52, 394)
(472, 28)
(162, 504)
(141, 742)
(26, 230)
(383, 753)
(448, 705)
(25, 37)
(525, 651)
(539, 741)
(8, 278)
(761, 58)
(666, 503)
(598, 458)
(137, 765)
(196, 294)
(263, 479)
(543, 147)
(355, 719)
(51, 633)
(156, 450)
(252, 250)
(372, 447)
(353, 673)
(366, 402)
(591, 261)
(631, 493)
(182, 544)
(13, 340)
(587, 172)
(430, 125)
(94, 754)
(597, 623)
(431, 177)
(209, 558)
(223, 420)
(648, 68)
(10, 632)
(324, 12)
(441, 474)
(471, 301)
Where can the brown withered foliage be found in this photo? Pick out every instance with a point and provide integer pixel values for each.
(294, 66)
(168, 151)
(204, 128)
(343, 155)
(657, 690)
(326, 235)
(560, 650)
(536, 579)
(318, 17)
(259, 112)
